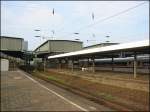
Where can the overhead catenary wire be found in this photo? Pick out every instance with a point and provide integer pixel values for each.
(107, 18)
(77, 21)
(98, 21)
(53, 11)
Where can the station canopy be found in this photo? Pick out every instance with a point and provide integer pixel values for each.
(139, 46)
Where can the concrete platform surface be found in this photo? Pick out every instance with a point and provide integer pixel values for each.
(22, 92)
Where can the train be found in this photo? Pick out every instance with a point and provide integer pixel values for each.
(120, 64)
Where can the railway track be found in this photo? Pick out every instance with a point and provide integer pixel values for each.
(114, 105)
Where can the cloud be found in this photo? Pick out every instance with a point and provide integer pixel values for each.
(71, 16)
(22, 23)
(31, 16)
(40, 16)
(104, 9)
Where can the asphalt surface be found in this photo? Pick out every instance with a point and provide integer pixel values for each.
(22, 92)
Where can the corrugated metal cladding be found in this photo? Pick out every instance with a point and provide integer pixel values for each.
(99, 45)
(134, 46)
(44, 47)
(64, 46)
(59, 46)
(11, 44)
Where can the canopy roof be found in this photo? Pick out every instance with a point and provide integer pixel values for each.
(132, 46)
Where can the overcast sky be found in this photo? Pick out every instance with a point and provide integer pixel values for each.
(21, 18)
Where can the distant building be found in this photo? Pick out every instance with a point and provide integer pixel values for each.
(25, 46)
(99, 45)
(52, 47)
(13, 46)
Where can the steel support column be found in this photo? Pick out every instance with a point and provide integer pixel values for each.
(135, 65)
(72, 67)
(112, 61)
(88, 63)
(93, 65)
(44, 64)
(59, 63)
(78, 64)
(13, 65)
(66, 63)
